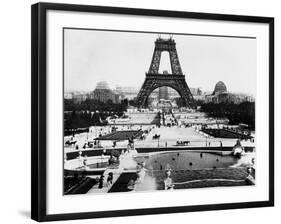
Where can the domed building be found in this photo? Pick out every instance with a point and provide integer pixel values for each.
(220, 95)
(103, 93)
(220, 87)
(102, 85)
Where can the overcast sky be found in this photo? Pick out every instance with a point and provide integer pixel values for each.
(122, 58)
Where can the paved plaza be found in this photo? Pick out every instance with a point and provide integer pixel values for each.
(91, 153)
(168, 138)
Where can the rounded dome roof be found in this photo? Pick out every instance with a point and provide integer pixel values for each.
(220, 87)
(102, 85)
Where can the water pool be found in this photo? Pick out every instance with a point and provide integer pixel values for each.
(189, 161)
(190, 169)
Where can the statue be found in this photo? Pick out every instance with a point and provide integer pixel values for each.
(168, 182)
(238, 150)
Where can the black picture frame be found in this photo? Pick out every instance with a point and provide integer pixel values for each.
(38, 108)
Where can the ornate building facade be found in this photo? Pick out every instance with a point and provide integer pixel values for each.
(221, 95)
(103, 93)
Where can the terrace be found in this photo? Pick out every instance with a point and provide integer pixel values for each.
(225, 133)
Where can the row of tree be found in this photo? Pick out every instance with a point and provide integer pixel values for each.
(93, 112)
(83, 119)
(95, 105)
(90, 112)
(236, 113)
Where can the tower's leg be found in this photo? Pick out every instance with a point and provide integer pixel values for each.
(175, 63)
(175, 80)
(155, 62)
(144, 92)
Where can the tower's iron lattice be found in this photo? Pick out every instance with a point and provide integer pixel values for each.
(154, 79)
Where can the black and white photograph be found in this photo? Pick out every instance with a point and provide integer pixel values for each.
(146, 111)
(140, 111)
(152, 111)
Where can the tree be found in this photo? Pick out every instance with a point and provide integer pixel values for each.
(235, 113)
(85, 113)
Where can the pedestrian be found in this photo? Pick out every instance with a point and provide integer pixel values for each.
(85, 161)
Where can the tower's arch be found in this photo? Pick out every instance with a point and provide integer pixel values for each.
(155, 80)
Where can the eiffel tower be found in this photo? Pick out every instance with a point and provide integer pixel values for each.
(154, 80)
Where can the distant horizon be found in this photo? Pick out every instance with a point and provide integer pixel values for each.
(122, 59)
(203, 91)
(138, 88)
